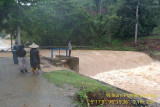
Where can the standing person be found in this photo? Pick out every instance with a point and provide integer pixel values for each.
(34, 58)
(22, 59)
(15, 49)
(69, 48)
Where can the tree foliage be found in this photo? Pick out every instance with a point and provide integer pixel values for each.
(55, 22)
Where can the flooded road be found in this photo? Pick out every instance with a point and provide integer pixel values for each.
(5, 43)
(27, 90)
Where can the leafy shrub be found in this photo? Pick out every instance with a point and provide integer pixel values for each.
(156, 31)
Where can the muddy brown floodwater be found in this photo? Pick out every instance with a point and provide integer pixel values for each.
(132, 71)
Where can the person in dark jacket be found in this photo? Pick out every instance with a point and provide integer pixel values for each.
(15, 49)
(34, 58)
(22, 59)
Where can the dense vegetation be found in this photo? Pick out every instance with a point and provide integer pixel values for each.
(84, 22)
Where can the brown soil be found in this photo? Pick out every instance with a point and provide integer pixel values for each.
(100, 98)
(146, 45)
(5, 54)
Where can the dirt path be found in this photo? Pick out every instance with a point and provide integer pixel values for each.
(6, 55)
(27, 90)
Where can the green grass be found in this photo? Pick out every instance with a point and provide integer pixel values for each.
(28, 55)
(62, 77)
(156, 53)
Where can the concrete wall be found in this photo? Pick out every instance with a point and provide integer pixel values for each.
(73, 63)
(68, 62)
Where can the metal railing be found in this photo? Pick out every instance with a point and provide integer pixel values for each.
(73, 47)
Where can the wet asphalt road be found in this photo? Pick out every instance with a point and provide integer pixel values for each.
(26, 90)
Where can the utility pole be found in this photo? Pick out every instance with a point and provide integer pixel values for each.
(137, 16)
(18, 28)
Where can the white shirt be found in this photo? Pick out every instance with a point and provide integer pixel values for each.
(69, 46)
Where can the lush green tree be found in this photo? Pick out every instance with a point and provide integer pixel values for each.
(147, 17)
(6, 9)
(84, 22)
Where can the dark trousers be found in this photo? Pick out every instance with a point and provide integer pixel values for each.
(69, 53)
(15, 58)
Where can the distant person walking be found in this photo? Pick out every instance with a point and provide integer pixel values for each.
(34, 58)
(15, 49)
(22, 59)
(69, 48)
